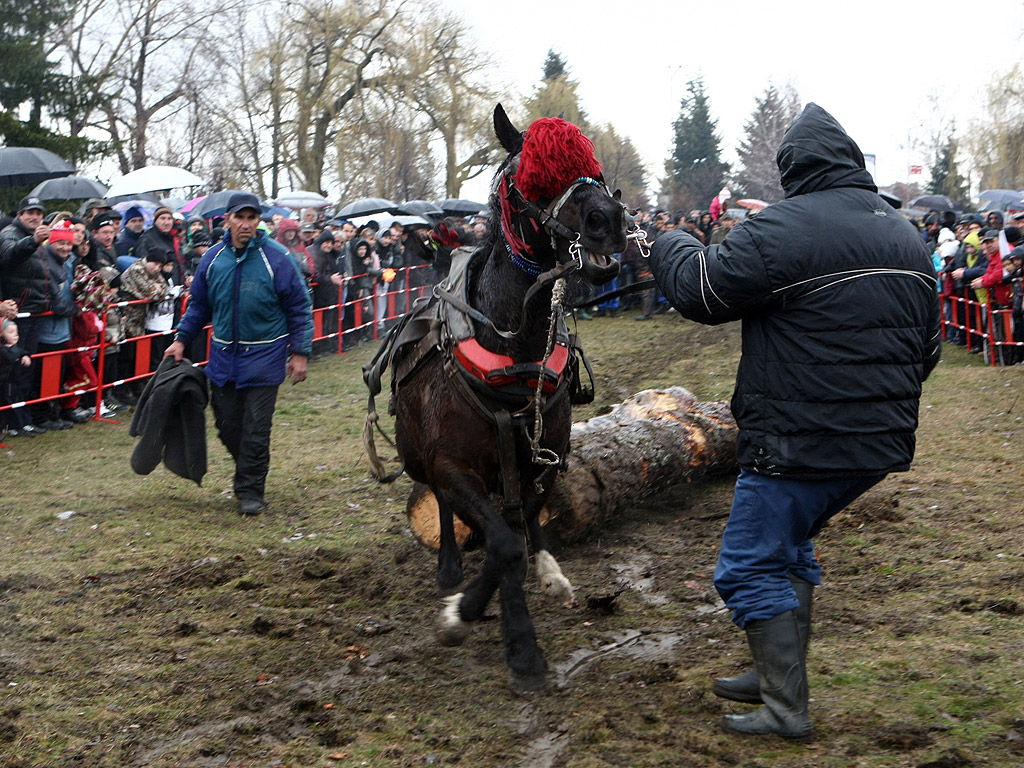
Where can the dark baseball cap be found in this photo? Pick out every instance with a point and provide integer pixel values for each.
(31, 204)
(989, 234)
(101, 220)
(242, 200)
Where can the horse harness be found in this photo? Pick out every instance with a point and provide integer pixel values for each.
(501, 390)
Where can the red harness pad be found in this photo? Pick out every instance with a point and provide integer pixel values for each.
(499, 370)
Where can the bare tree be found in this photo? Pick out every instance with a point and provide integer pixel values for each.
(140, 57)
(385, 154)
(996, 141)
(444, 82)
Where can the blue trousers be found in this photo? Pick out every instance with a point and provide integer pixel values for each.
(768, 537)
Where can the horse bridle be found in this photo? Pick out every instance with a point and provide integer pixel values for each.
(548, 219)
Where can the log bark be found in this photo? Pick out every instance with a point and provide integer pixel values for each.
(646, 447)
(643, 449)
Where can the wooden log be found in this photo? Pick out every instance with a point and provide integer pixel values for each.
(644, 448)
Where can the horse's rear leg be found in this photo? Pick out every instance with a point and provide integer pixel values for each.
(449, 555)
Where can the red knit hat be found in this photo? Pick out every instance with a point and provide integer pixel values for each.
(555, 154)
(62, 231)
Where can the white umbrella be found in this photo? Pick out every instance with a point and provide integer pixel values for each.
(300, 198)
(152, 178)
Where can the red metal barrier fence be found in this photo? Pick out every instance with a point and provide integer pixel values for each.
(350, 320)
(986, 328)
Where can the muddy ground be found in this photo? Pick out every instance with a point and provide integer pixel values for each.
(153, 627)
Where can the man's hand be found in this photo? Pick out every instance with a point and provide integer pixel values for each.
(297, 365)
(976, 283)
(337, 279)
(42, 232)
(175, 350)
(8, 309)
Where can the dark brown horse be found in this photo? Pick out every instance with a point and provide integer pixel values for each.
(484, 375)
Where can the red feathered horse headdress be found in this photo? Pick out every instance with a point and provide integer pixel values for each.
(555, 153)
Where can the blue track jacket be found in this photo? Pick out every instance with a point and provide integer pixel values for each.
(260, 308)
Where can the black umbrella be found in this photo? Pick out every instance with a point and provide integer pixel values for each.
(30, 165)
(214, 205)
(892, 200)
(367, 206)
(935, 203)
(456, 206)
(68, 188)
(423, 208)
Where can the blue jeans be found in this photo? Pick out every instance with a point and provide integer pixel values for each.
(768, 537)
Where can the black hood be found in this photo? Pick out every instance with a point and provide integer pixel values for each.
(816, 154)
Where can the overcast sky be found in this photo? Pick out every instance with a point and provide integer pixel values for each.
(876, 66)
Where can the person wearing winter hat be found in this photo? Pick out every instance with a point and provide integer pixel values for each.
(54, 330)
(133, 223)
(162, 235)
(325, 293)
(719, 204)
(38, 281)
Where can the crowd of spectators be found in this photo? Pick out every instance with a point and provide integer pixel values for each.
(977, 259)
(67, 279)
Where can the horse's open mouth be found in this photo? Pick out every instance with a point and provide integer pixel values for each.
(599, 268)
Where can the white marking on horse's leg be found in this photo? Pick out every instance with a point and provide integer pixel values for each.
(552, 581)
(451, 629)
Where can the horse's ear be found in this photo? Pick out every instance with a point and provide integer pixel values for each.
(509, 136)
(617, 194)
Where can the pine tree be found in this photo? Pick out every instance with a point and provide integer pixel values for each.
(773, 113)
(946, 178)
(557, 96)
(695, 171)
(29, 79)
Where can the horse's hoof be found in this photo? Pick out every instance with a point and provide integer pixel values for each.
(451, 629)
(558, 589)
(528, 686)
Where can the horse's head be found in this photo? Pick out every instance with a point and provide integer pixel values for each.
(553, 203)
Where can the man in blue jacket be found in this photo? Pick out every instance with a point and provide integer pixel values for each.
(251, 290)
(836, 293)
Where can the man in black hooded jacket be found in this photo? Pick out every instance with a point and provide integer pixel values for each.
(836, 293)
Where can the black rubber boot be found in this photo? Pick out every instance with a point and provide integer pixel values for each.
(747, 687)
(779, 659)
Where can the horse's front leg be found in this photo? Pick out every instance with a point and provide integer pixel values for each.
(505, 565)
(461, 491)
(553, 583)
